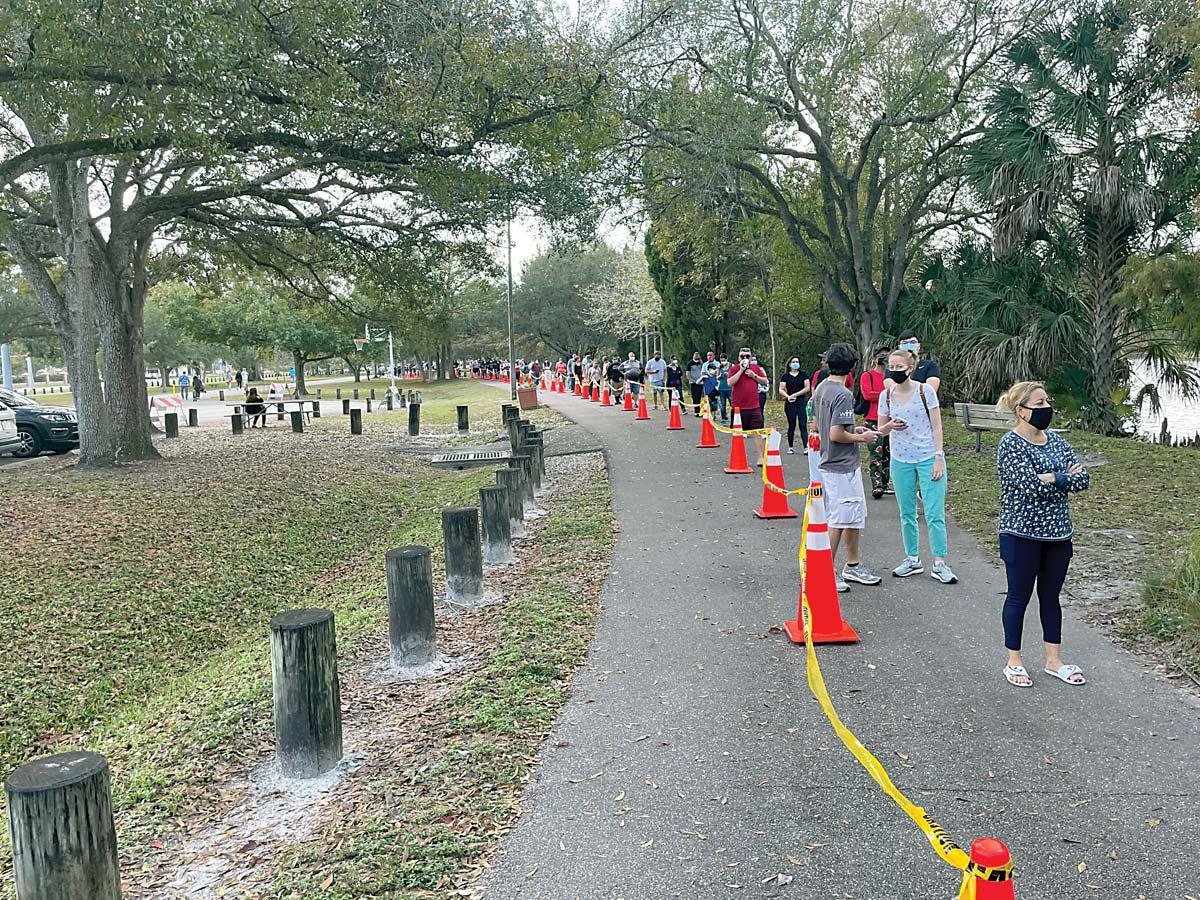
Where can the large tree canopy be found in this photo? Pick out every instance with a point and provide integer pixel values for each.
(127, 127)
(843, 121)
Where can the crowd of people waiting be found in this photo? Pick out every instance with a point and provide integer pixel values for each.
(896, 396)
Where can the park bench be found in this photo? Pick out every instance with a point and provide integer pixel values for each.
(238, 408)
(981, 417)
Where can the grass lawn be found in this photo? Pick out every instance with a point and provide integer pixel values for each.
(1137, 562)
(136, 626)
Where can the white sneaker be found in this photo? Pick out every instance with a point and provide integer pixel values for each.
(910, 566)
(860, 573)
(842, 587)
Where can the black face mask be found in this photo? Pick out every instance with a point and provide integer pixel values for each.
(898, 376)
(1040, 416)
(882, 361)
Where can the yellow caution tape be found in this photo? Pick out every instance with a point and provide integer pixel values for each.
(945, 848)
(794, 492)
(706, 413)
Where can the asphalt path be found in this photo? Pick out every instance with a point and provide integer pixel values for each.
(692, 761)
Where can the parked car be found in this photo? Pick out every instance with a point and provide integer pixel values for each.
(40, 427)
(10, 440)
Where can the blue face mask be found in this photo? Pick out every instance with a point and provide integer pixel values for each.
(911, 346)
(795, 367)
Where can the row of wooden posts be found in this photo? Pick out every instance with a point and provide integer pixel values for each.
(238, 418)
(60, 815)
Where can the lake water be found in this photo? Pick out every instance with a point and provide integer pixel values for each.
(1182, 414)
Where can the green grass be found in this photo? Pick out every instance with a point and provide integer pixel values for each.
(479, 741)
(147, 593)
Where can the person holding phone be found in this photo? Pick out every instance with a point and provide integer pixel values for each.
(909, 412)
(1038, 472)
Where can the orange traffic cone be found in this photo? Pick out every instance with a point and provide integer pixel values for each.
(544, 385)
(774, 504)
(819, 584)
(643, 414)
(605, 397)
(676, 423)
(595, 393)
(578, 388)
(993, 854)
(708, 434)
(737, 447)
(627, 403)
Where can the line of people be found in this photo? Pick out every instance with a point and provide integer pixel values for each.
(1036, 467)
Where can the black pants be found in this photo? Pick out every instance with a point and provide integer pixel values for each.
(796, 415)
(1027, 562)
(697, 393)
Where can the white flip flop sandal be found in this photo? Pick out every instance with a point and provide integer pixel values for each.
(1012, 672)
(1064, 674)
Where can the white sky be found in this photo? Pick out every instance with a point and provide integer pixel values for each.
(530, 238)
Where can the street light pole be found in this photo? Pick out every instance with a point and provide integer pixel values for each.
(391, 363)
(512, 344)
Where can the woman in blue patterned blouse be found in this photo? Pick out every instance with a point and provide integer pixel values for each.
(1038, 470)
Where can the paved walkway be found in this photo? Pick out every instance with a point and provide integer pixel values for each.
(692, 761)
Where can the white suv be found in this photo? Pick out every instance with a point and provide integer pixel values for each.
(10, 440)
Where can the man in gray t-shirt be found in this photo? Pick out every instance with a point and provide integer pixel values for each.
(841, 467)
(833, 404)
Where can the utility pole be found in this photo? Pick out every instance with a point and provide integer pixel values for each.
(512, 344)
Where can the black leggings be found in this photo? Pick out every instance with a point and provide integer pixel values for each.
(796, 414)
(1027, 561)
(697, 393)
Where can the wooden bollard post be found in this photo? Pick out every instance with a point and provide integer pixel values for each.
(391, 402)
(464, 554)
(356, 393)
(464, 418)
(510, 480)
(316, 408)
(193, 418)
(279, 411)
(514, 435)
(369, 403)
(534, 448)
(497, 529)
(318, 393)
(345, 407)
(339, 394)
(356, 421)
(60, 820)
(411, 630)
(171, 425)
(236, 423)
(221, 396)
(372, 393)
(297, 422)
(524, 463)
(403, 402)
(308, 702)
(414, 419)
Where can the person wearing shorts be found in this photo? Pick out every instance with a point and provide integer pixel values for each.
(841, 466)
(744, 379)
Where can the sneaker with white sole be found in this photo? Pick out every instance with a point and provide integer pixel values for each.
(790, 451)
(910, 566)
(842, 587)
(859, 574)
(942, 573)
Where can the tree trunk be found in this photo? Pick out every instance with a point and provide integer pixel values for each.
(1107, 260)
(119, 310)
(298, 365)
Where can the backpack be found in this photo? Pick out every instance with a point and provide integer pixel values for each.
(862, 405)
(920, 393)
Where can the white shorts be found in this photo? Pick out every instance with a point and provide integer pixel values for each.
(845, 502)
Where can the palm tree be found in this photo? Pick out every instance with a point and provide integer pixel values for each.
(1090, 132)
